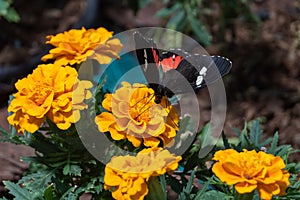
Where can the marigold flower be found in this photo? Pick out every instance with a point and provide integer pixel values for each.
(75, 46)
(127, 176)
(250, 170)
(133, 115)
(50, 91)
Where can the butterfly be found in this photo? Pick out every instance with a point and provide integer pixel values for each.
(169, 72)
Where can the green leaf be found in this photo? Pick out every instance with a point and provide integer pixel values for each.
(155, 190)
(95, 185)
(187, 190)
(4, 5)
(176, 19)
(225, 141)
(70, 194)
(70, 169)
(163, 183)
(12, 15)
(17, 191)
(255, 133)
(204, 187)
(37, 180)
(165, 12)
(213, 195)
(49, 193)
(8, 12)
(184, 135)
(206, 141)
(199, 29)
(272, 149)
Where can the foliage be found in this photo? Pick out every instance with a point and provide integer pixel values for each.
(64, 169)
(8, 12)
(192, 16)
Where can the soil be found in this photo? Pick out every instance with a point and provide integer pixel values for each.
(264, 82)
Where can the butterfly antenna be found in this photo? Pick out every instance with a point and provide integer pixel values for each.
(143, 111)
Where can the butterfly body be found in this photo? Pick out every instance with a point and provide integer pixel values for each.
(169, 72)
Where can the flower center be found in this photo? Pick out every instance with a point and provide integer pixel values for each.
(140, 110)
(141, 101)
(42, 91)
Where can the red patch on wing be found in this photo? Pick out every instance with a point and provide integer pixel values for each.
(170, 63)
(155, 56)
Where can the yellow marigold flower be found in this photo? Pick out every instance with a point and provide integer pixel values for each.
(50, 91)
(127, 176)
(250, 170)
(133, 115)
(75, 46)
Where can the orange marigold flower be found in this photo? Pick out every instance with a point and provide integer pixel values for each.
(133, 115)
(75, 46)
(250, 170)
(127, 176)
(50, 91)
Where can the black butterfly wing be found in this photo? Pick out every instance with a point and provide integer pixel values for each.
(178, 81)
(180, 70)
(210, 69)
(148, 57)
(207, 70)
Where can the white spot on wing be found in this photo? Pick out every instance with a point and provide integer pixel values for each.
(203, 71)
(146, 61)
(199, 80)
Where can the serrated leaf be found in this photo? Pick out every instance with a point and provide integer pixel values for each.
(255, 133)
(17, 191)
(75, 170)
(185, 194)
(37, 180)
(94, 186)
(274, 143)
(225, 141)
(266, 142)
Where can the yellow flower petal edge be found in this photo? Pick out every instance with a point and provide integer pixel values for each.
(127, 176)
(132, 114)
(76, 45)
(50, 91)
(250, 170)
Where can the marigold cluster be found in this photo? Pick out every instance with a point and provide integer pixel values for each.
(127, 176)
(50, 91)
(75, 46)
(251, 170)
(133, 115)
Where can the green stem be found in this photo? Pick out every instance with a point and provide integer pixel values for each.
(155, 190)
